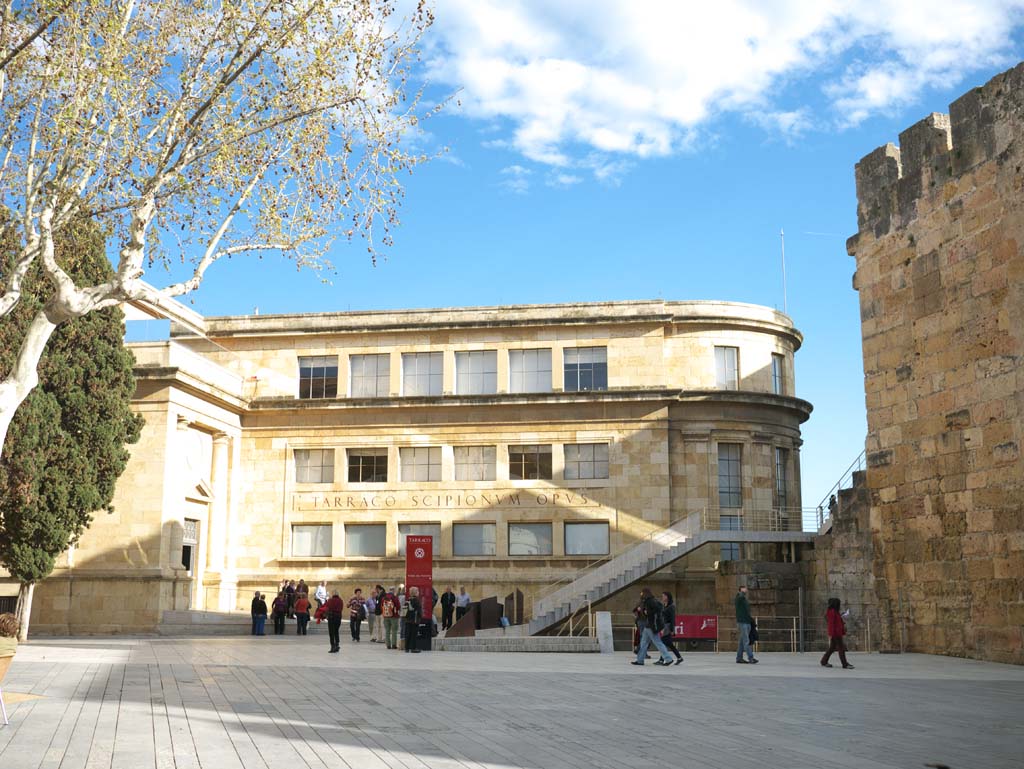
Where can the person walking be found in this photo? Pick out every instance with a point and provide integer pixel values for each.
(252, 610)
(301, 614)
(371, 614)
(334, 607)
(836, 631)
(462, 602)
(356, 613)
(668, 632)
(743, 623)
(259, 613)
(391, 611)
(379, 611)
(447, 607)
(413, 614)
(654, 614)
(278, 611)
(320, 596)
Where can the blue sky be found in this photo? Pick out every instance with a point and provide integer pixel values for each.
(618, 150)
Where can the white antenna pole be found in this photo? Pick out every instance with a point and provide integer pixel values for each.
(785, 307)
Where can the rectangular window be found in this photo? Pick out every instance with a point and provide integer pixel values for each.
(476, 372)
(585, 368)
(727, 368)
(778, 374)
(314, 465)
(311, 540)
(369, 375)
(586, 539)
(427, 529)
(529, 539)
(422, 373)
(368, 539)
(529, 463)
(586, 460)
(475, 463)
(730, 492)
(730, 551)
(318, 377)
(781, 478)
(420, 463)
(529, 371)
(474, 539)
(368, 465)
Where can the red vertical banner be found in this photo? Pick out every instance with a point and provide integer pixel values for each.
(419, 569)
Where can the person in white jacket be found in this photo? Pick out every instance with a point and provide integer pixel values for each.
(320, 596)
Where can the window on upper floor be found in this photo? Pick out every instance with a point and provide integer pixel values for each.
(314, 465)
(368, 465)
(586, 460)
(422, 373)
(369, 375)
(730, 489)
(475, 463)
(474, 539)
(727, 368)
(587, 538)
(366, 539)
(781, 478)
(585, 368)
(420, 463)
(312, 540)
(529, 463)
(318, 376)
(529, 371)
(530, 539)
(729, 551)
(476, 372)
(778, 374)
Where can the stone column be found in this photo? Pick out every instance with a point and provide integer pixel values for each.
(218, 530)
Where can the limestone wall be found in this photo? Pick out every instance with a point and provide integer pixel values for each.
(940, 273)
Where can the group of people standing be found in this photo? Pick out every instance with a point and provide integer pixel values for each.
(392, 616)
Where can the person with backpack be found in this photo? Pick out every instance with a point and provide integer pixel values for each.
(654, 616)
(378, 634)
(413, 614)
(391, 611)
(744, 622)
(836, 631)
(668, 631)
(356, 613)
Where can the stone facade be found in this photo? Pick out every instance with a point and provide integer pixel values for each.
(214, 481)
(940, 273)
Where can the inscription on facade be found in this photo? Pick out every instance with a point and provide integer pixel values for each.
(451, 499)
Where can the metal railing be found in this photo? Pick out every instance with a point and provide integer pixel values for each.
(574, 586)
(832, 501)
(579, 624)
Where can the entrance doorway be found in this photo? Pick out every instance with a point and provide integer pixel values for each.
(190, 554)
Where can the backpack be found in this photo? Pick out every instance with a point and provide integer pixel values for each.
(389, 606)
(655, 615)
(362, 612)
(412, 613)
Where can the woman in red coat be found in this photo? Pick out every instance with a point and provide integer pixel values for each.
(836, 631)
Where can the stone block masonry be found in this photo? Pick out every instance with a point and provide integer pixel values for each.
(940, 274)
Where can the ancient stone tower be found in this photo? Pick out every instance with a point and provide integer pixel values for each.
(940, 272)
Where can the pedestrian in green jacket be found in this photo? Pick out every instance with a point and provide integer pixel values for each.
(743, 623)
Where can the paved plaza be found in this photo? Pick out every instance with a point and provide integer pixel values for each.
(221, 703)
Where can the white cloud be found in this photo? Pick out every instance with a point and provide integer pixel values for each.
(516, 179)
(626, 79)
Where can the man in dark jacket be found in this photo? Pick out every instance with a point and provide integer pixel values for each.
(252, 610)
(447, 607)
(743, 623)
(259, 613)
(334, 606)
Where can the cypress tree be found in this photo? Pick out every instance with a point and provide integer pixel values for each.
(67, 444)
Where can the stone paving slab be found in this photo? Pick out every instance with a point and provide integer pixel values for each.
(283, 702)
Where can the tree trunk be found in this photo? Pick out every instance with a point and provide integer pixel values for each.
(24, 376)
(24, 610)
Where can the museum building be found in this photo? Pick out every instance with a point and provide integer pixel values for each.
(529, 441)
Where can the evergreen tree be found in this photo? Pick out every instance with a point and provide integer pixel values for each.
(67, 444)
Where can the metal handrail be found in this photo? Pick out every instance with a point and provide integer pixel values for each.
(824, 509)
(709, 518)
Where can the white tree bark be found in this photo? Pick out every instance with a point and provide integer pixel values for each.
(24, 609)
(25, 375)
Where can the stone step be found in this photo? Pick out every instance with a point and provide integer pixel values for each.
(544, 644)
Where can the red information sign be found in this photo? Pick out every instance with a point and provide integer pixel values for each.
(697, 626)
(419, 569)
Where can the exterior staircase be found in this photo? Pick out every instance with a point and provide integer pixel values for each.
(658, 550)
